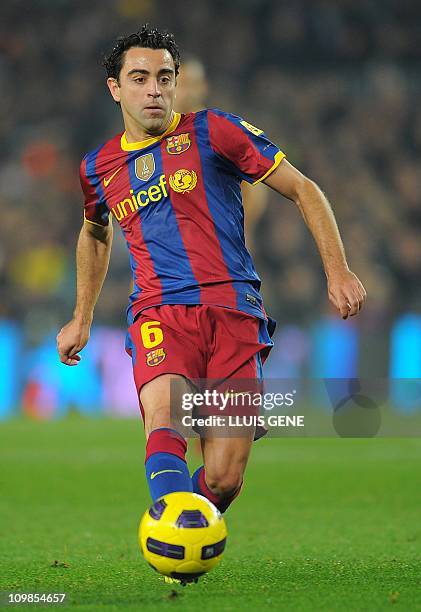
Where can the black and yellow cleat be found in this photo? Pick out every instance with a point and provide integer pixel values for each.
(182, 581)
(169, 580)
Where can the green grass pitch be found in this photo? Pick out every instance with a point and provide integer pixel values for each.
(322, 524)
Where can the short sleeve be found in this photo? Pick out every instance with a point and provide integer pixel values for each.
(95, 209)
(244, 146)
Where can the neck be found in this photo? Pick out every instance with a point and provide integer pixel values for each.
(135, 133)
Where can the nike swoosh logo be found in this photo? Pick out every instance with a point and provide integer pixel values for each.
(108, 180)
(163, 472)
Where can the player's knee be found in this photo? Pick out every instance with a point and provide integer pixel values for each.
(224, 483)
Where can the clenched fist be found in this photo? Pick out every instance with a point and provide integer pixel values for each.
(346, 292)
(71, 339)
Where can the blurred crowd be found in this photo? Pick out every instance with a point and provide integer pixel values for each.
(336, 85)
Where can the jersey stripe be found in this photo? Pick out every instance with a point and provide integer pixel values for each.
(111, 149)
(144, 272)
(238, 261)
(200, 237)
(137, 290)
(169, 258)
(92, 178)
(231, 142)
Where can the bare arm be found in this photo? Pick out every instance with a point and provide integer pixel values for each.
(92, 258)
(345, 290)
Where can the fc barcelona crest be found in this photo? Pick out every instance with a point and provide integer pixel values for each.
(145, 167)
(154, 358)
(178, 144)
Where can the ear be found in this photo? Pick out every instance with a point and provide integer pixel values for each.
(114, 88)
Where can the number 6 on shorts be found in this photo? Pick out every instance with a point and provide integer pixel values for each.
(151, 333)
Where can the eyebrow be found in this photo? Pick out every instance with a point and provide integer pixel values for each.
(146, 72)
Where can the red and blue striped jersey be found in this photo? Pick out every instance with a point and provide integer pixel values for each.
(177, 198)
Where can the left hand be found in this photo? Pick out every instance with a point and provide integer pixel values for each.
(346, 292)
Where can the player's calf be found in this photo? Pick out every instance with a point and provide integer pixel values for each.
(221, 478)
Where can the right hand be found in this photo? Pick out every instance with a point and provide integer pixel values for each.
(71, 339)
(346, 292)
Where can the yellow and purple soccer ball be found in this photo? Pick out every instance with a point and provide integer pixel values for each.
(182, 535)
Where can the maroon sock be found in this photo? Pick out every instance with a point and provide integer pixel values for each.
(200, 486)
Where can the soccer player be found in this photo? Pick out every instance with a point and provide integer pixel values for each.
(172, 182)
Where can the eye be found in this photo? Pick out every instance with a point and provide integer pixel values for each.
(165, 80)
(139, 80)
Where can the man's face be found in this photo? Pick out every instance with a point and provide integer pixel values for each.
(192, 87)
(146, 88)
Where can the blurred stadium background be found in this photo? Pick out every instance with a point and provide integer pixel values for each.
(336, 85)
(322, 524)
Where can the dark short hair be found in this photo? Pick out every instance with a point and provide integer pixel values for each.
(148, 37)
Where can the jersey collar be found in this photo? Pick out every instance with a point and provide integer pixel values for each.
(134, 146)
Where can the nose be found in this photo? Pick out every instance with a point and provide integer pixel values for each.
(154, 89)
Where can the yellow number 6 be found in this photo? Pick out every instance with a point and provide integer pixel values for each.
(151, 333)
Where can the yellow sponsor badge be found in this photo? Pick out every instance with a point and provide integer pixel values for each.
(183, 180)
(251, 128)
